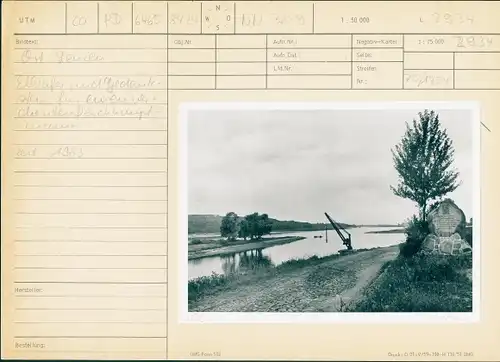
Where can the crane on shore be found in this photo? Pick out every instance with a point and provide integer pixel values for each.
(346, 240)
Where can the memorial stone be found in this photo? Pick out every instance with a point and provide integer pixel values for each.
(447, 230)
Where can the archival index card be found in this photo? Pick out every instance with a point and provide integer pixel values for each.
(136, 136)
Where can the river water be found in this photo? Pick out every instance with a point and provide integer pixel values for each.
(275, 255)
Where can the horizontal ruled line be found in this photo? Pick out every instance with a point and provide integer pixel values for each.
(96, 337)
(40, 48)
(91, 89)
(105, 352)
(219, 75)
(127, 200)
(261, 48)
(451, 69)
(453, 51)
(263, 74)
(90, 213)
(92, 158)
(98, 62)
(330, 89)
(90, 144)
(82, 268)
(71, 282)
(86, 241)
(79, 117)
(93, 255)
(94, 89)
(89, 130)
(91, 104)
(81, 309)
(66, 171)
(91, 75)
(317, 89)
(96, 227)
(95, 186)
(269, 34)
(86, 322)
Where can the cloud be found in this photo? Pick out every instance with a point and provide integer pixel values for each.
(299, 164)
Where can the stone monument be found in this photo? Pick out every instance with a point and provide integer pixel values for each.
(447, 230)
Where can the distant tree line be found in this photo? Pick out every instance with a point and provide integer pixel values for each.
(198, 223)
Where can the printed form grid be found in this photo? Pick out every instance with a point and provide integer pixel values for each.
(89, 140)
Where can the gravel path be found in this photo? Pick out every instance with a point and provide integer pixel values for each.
(324, 287)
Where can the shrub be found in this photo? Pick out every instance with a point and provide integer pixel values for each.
(415, 231)
(429, 268)
(468, 235)
(201, 285)
(196, 242)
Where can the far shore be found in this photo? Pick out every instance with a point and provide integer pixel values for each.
(238, 248)
(391, 231)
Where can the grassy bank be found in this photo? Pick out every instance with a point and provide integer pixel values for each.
(220, 247)
(422, 283)
(208, 285)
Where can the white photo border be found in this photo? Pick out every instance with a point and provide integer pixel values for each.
(320, 318)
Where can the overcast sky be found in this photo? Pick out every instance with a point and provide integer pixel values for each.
(296, 165)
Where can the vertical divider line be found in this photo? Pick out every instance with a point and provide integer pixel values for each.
(266, 59)
(234, 17)
(65, 18)
(167, 162)
(132, 16)
(352, 61)
(98, 19)
(215, 63)
(313, 19)
(453, 70)
(403, 62)
(201, 17)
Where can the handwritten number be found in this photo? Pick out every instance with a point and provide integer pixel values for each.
(151, 19)
(448, 18)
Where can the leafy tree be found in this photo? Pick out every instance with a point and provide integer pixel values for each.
(244, 229)
(264, 225)
(229, 226)
(252, 222)
(255, 226)
(423, 160)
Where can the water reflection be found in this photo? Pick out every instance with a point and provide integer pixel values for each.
(245, 261)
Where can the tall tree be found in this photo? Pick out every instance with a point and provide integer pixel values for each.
(424, 159)
(229, 226)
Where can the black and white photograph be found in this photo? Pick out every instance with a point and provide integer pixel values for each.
(344, 209)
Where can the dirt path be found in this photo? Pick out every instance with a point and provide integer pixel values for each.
(324, 287)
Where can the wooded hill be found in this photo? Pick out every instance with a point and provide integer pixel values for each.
(201, 224)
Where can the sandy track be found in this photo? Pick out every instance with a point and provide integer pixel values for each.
(324, 287)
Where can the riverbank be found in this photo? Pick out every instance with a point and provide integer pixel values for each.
(198, 251)
(306, 285)
(373, 280)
